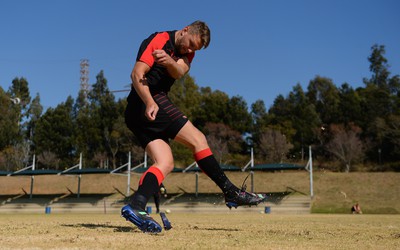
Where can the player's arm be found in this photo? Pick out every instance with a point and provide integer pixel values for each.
(176, 69)
(141, 86)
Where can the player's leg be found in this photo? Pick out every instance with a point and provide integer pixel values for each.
(150, 181)
(149, 184)
(190, 136)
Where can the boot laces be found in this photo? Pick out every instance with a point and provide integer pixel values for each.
(244, 186)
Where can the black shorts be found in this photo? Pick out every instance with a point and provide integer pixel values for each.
(169, 120)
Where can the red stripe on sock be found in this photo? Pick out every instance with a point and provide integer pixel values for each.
(202, 154)
(154, 170)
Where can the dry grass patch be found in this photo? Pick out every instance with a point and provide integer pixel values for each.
(202, 231)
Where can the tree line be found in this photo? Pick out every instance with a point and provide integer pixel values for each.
(349, 129)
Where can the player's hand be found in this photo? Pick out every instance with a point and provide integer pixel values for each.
(161, 57)
(151, 111)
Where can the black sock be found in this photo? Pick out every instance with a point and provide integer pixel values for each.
(209, 165)
(146, 190)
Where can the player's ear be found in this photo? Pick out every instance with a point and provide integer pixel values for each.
(185, 30)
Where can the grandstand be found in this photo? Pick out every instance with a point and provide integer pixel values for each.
(108, 202)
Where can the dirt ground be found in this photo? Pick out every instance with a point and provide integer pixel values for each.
(202, 231)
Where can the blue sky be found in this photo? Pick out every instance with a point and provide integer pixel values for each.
(258, 50)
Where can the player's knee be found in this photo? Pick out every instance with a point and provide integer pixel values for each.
(166, 166)
(202, 141)
(170, 167)
(199, 142)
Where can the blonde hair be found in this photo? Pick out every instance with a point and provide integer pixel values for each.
(201, 28)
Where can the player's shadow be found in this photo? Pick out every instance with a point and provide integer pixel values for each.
(223, 229)
(217, 229)
(96, 226)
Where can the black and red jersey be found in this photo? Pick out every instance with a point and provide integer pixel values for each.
(158, 77)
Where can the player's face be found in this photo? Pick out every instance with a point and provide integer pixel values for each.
(188, 43)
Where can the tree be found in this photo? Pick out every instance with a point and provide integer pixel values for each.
(213, 107)
(34, 112)
(324, 95)
(117, 139)
(259, 114)
(379, 67)
(85, 127)
(16, 156)
(15, 124)
(101, 159)
(346, 145)
(379, 100)
(281, 115)
(49, 160)
(19, 92)
(274, 146)
(103, 112)
(9, 121)
(94, 118)
(349, 105)
(238, 117)
(185, 95)
(388, 134)
(127, 142)
(297, 118)
(223, 140)
(54, 132)
(375, 102)
(377, 96)
(20, 89)
(281, 110)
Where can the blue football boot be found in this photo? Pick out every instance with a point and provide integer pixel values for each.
(141, 219)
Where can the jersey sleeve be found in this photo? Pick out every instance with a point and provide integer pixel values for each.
(148, 47)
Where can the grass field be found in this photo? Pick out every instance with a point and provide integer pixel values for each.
(202, 231)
